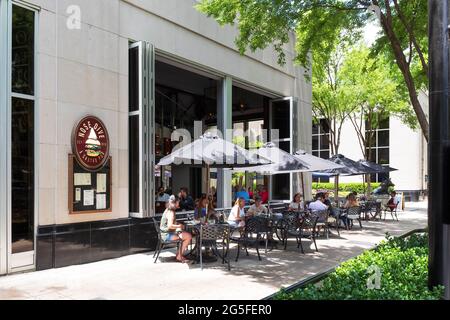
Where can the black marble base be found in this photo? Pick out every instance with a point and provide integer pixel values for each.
(71, 244)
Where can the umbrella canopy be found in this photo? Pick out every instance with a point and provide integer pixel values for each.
(282, 161)
(349, 167)
(316, 163)
(211, 151)
(377, 167)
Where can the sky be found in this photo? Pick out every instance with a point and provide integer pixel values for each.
(371, 32)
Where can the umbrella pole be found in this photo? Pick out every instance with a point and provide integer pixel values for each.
(208, 174)
(303, 185)
(336, 189)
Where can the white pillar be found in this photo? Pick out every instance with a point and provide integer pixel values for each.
(224, 122)
(4, 94)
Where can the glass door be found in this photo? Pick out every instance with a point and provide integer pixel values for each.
(282, 132)
(141, 129)
(22, 173)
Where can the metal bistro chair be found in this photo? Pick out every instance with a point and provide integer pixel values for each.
(163, 243)
(308, 230)
(289, 226)
(251, 235)
(289, 221)
(334, 217)
(354, 213)
(213, 235)
(393, 212)
(304, 228)
(322, 222)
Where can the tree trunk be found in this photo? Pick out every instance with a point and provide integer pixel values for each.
(386, 23)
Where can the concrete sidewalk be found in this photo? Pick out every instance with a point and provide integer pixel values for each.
(137, 277)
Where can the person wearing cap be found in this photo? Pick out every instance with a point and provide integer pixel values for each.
(257, 208)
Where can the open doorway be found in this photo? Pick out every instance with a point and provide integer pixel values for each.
(182, 98)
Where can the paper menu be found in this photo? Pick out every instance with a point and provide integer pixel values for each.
(101, 201)
(82, 179)
(88, 198)
(101, 183)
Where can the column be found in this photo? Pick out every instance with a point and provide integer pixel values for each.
(224, 122)
(4, 97)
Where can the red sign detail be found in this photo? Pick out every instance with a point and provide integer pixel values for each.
(90, 143)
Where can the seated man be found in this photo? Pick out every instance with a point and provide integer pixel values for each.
(186, 201)
(162, 196)
(318, 205)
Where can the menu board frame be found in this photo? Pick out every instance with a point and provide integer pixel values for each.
(83, 197)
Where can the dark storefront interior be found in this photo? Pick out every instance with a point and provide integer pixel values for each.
(183, 97)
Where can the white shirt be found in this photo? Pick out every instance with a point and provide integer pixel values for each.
(297, 205)
(234, 213)
(317, 206)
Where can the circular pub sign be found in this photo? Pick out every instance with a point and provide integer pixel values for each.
(90, 143)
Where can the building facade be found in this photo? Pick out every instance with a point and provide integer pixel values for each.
(395, 145)
(145, 69)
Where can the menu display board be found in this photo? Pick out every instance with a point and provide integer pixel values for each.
(89, 192)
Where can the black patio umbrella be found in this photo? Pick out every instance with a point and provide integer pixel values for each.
(210, 151)
(349, 168)
(282, 161)
(377, 167)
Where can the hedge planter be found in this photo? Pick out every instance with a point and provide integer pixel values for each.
(396, 270)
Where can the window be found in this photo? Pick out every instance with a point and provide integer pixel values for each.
(22, 129)
(321, 144)
(281, 118)
(379, 152)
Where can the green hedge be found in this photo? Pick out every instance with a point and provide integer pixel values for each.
(345, 187)
(404, 271)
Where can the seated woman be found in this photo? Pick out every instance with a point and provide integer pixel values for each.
(351, 202)
(172, 231)
(204, 210)
(297, 203)
(393, 202)
(257, 208)
(237, 215)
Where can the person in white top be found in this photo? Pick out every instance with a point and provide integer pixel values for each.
(237, 214)
(318, 205)
(257, 208)
(297, 204)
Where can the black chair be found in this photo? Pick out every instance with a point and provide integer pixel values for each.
(335, 216)
(289, 220)
(163, 243)
(322, 222)
(393, 212)
(301, 228)
(250, 236)
(308, 230)
(354, 213)
(290, 226)
(213, 235)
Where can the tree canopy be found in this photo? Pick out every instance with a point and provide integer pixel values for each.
(319, 26)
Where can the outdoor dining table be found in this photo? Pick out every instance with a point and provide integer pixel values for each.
(193, 227)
